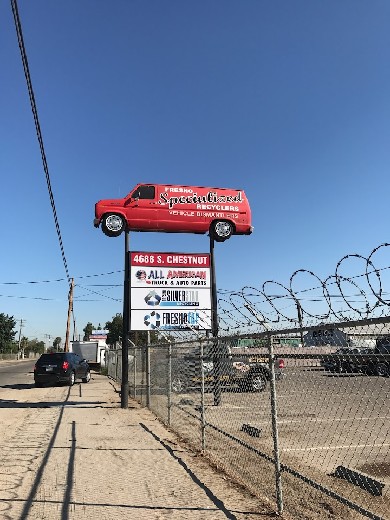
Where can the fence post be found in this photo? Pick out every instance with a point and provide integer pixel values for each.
(148, 375)
(169, 383)
(135, 373)
(275, 433)
(202, 410)
(143, 373)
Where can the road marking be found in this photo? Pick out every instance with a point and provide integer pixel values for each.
(324, 448)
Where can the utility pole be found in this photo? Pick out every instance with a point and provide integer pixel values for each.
(70, 308)
(20, 338)
(48, 336)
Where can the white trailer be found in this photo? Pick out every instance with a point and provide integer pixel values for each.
(92, 351)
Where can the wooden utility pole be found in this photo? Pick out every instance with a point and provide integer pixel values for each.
(20, 353)
(70, 308)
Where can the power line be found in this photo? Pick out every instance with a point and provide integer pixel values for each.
(26, 69)
(99, 294)
(64, 279)
(29, 297)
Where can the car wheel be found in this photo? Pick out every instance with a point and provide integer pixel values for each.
(38, 385)
(178, 385)
(258, 382)
(221, 230)
(112, 225)
(87, 378)
(382, 370)
(72, 379)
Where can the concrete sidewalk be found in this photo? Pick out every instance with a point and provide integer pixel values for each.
(73, 453)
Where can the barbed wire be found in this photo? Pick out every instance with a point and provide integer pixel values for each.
(329, 299)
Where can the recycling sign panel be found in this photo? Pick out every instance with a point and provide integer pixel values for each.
(170, 291)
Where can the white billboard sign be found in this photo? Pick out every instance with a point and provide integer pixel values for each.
(164, 319)
(170, 291)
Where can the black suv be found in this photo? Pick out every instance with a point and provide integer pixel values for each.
(61, 367)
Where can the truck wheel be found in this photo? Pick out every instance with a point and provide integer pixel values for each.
(112, 225)
(258, 382)
(382, 370)
(221, 230)
(72, 379)
(87, 378)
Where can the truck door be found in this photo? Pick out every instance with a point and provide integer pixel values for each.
(141, 208)
(179, 214)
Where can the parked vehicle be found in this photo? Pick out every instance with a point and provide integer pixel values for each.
(91, 351)
(61, 367)
(382, 353)
(244, 372)
(345, 359)
(371, 361)
(221, 212)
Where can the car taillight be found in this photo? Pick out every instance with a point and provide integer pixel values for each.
(65, 365)
(281, 363)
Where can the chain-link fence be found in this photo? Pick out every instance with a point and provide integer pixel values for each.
(301, 416)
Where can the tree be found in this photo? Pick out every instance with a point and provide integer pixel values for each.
(88, 331)
(138, 337)
(33, 345)
(115, 328)
(24, 343)
(7, 334)
(57, 343)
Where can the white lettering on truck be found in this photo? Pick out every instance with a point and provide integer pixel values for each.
(211, 200)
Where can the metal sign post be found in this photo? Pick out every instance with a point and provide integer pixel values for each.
(214, 329)
(126, 328)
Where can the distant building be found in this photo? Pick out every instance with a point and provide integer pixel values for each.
(98, 334)
(287, 341)
(325, 337)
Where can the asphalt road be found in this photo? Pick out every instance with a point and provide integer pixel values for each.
(16, 374)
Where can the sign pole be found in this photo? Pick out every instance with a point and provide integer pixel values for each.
(125, 332)
(214, 301)
(70, 308)
(214, 329)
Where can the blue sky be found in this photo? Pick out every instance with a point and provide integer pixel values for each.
(286, 100)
